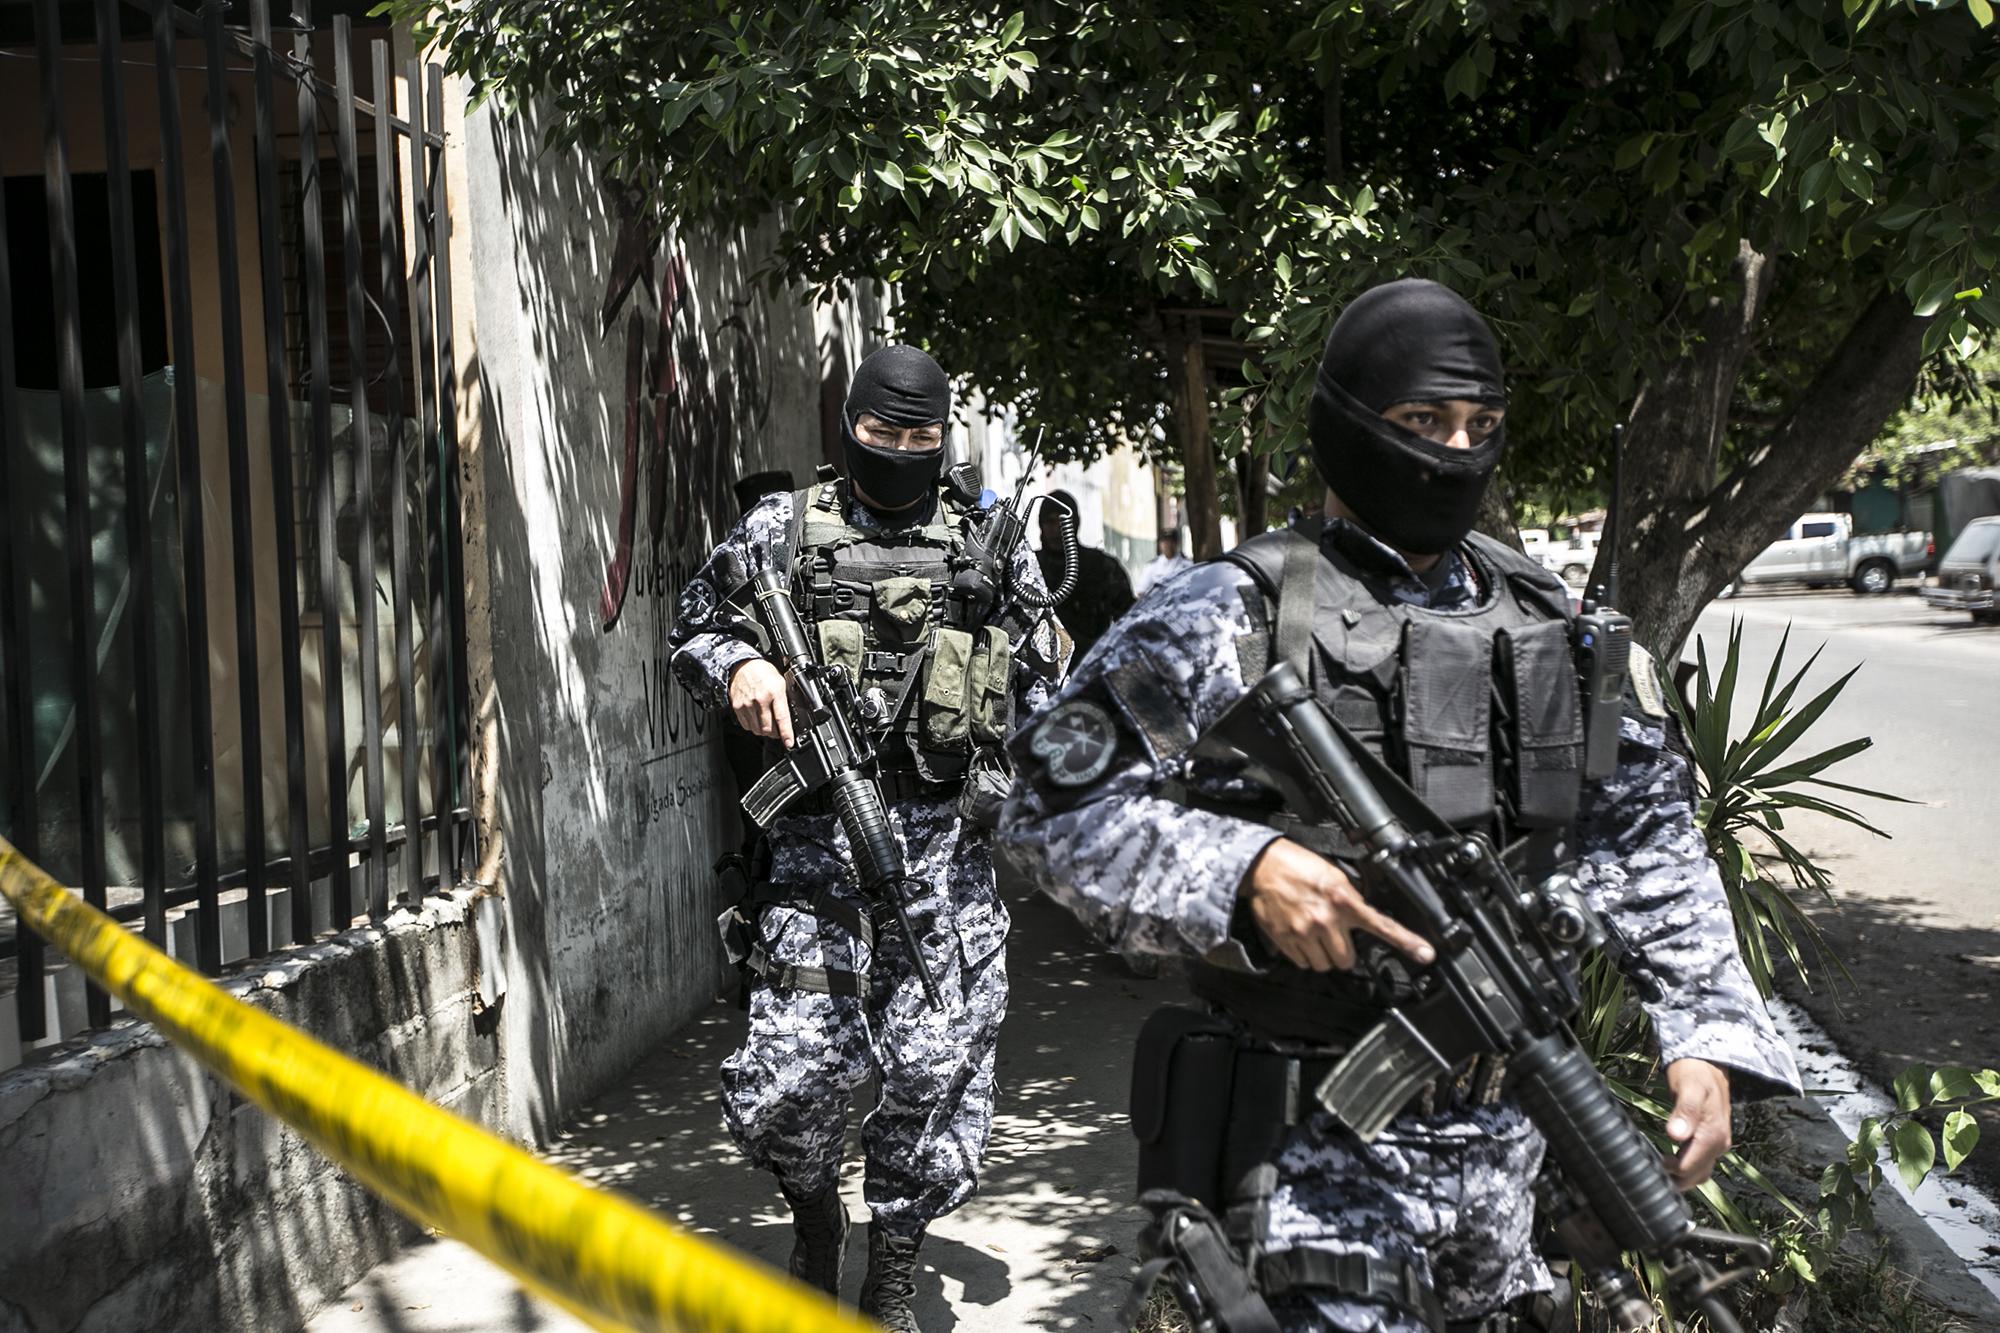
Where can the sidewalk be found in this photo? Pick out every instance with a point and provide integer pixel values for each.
(1045, 1244)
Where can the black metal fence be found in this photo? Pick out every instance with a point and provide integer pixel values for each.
(222, 609)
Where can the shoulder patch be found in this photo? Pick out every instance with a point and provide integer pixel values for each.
(1075, 743)
(1646, 687)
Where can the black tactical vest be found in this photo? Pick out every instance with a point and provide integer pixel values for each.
(1477, 709)
(879, 605)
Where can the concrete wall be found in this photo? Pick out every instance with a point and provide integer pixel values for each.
(142, 1194)
(612, 423)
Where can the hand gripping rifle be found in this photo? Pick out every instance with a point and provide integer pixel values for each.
(1504, 984)
(828, 751)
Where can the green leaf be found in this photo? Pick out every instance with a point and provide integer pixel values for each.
(1961, 1135)
(1221, 125)
(1858, 182)
(1283, 264)
(1814, 182)
(1912, 1088)
(981, 180)
(1982, 13)
(1950, 1083)
(1935, 297)
(890, 175)
(1914, 1153)
(1010, 31)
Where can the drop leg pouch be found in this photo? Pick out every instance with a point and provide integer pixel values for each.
(1182, 1074)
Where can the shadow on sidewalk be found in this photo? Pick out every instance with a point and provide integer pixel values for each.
(1048, 1240)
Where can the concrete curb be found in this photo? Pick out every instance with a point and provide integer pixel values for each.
(1917, 1251)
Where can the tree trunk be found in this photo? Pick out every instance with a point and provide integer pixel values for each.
(1254, 473)
(1189, 371)
(1685, 534)
(1498, 517)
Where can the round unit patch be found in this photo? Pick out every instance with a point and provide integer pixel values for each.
(1075, 743)
(697, 601)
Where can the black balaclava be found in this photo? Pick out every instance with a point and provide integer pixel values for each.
(903, 387)
(1410, 341)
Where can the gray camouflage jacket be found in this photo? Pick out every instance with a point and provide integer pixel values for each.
(1151, 875)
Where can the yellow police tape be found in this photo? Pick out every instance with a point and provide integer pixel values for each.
(603, 1257)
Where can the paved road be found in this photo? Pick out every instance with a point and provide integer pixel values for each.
(1918, 916)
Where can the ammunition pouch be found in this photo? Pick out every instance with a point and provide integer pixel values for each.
(989, 776)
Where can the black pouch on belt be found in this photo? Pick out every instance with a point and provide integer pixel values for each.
(1182, 1073)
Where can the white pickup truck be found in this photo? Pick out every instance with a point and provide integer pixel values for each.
(1820, 550)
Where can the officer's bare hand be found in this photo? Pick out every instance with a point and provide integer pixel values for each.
(758, 697)
(1308, 910)
(1700, 1120)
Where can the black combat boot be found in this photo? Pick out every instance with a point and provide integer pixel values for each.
(819, 1226)
(891, 1280)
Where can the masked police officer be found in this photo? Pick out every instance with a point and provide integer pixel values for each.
(879, 560)
(1448, 655)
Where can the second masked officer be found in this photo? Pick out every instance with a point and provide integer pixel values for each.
(1448, 654)
(878, 560)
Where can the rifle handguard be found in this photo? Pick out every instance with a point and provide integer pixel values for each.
(1594, 1142)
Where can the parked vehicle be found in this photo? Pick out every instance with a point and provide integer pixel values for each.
(1970, 572)
(1820, 551)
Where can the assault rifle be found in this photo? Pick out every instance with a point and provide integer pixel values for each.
(829, 752)
(1504, 983)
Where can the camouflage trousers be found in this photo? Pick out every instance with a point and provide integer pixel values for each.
(1452, 1194)
(785, 1092)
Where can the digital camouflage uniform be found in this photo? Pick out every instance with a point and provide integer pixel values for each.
(785, 1092)
(1448, 1193)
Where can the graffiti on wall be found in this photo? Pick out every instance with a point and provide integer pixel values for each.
(694, 392)
(690, 395)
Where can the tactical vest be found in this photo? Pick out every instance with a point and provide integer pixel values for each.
(1477, 710)
(879, 604)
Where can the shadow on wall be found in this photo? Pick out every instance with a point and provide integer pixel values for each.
(628, 378)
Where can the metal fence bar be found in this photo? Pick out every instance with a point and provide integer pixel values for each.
(438, 754)
(364, 464)
(448, 467)
(84, 735)
(389, 209)
(16, 678)
(332, 688)
(138, 519)
(427, 409)
(187, 437)
(272, 281)
(250, 747)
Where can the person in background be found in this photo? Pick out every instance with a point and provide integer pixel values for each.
(1165, 565)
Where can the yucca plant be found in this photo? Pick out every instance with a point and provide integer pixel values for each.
(1749, 779)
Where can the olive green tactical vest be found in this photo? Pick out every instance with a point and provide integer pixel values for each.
(1477, 709)
(877, 600)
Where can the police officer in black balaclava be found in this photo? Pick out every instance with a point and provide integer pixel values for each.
(835, 999)
(892, 428)
(1447, 655)
(1406, 421)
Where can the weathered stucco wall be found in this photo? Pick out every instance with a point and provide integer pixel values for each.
(629, 379)
(140, 1193)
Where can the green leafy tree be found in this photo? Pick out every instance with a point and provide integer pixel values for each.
(1745, 226)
